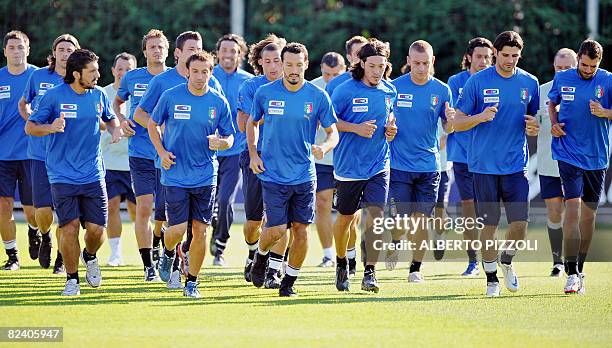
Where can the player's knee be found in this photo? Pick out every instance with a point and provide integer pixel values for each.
(6, 207)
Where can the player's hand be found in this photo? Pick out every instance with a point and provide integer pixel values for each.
(557, 130)
(116, 135)
(489, 113)
(449, 112)
(390, 129)
(167, 159)
(58, 125)
(317, 151)
(366, 129)
(256, 164)
(597, 109)
(128, 127)
(214, 142)
(532, 128)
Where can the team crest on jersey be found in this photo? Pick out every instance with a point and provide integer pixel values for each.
(360, 101)
(68, 106)
(183, 108)
(599, 92)
(99, 107)
(491, 91)
(524, 93)
(308, 108)
(277, 103)
(567, 89)
(212, 112)
(388, 101)
(434, 100)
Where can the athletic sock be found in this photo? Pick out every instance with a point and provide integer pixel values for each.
(32, 231)
(341, 262)
(351, 253)
(87, 256)
(187, 244)
(286, 256)
(328, 253)
(59, 258)
(156, 241)
(275, 261)
(581, 258)
(162, 233)
(169, 253)
(114, 245)
(369, 269)
(11, 249)
(176, 265)
(145, 255)
(74, 275)
(490, 268)
(252, 248)
(415, 266)
(290, 278)
(191, 278)
(472, 256)
(571, 265)
(506, 257)
(555, 235)
(261, 252)
(46, 237)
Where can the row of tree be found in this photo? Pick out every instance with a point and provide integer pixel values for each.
(112, 26)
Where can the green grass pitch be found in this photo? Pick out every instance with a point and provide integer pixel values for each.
(447, 310)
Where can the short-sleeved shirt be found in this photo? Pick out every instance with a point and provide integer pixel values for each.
(357, 157)
(417, 110)
(74, 157)
(457, 143)
(115, 155)
(499, 147)
(133, 86)
(337, 81)
(586, 143)
(39, 83)
(246, 95)
(328, 158)
(546, 165)
(291, 120)
(189, 119)
(12, 135)
(230, 83)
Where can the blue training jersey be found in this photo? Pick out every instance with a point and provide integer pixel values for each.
(337, 81)
(585, 143)
(74, 157)
(12, 135)
(133, 87)
(417, 109)
(39, 83)
(246, 95)
(231, 86)
(356, 157)
(500, 146)
(457, 143)
(291, 120)
(189, 119)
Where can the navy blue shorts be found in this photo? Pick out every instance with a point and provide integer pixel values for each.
(119, 183)
(352, 195)
(194, 203)
(251, 190)
(325, 177)
(160, 198)
(412, 192)
(143, 176)
(13, 173)
(87, 202)
(289, 203)
(442, 189)
(465, 181)
(581, 183)
(511, 189)
(550, 187)
(41, 188)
